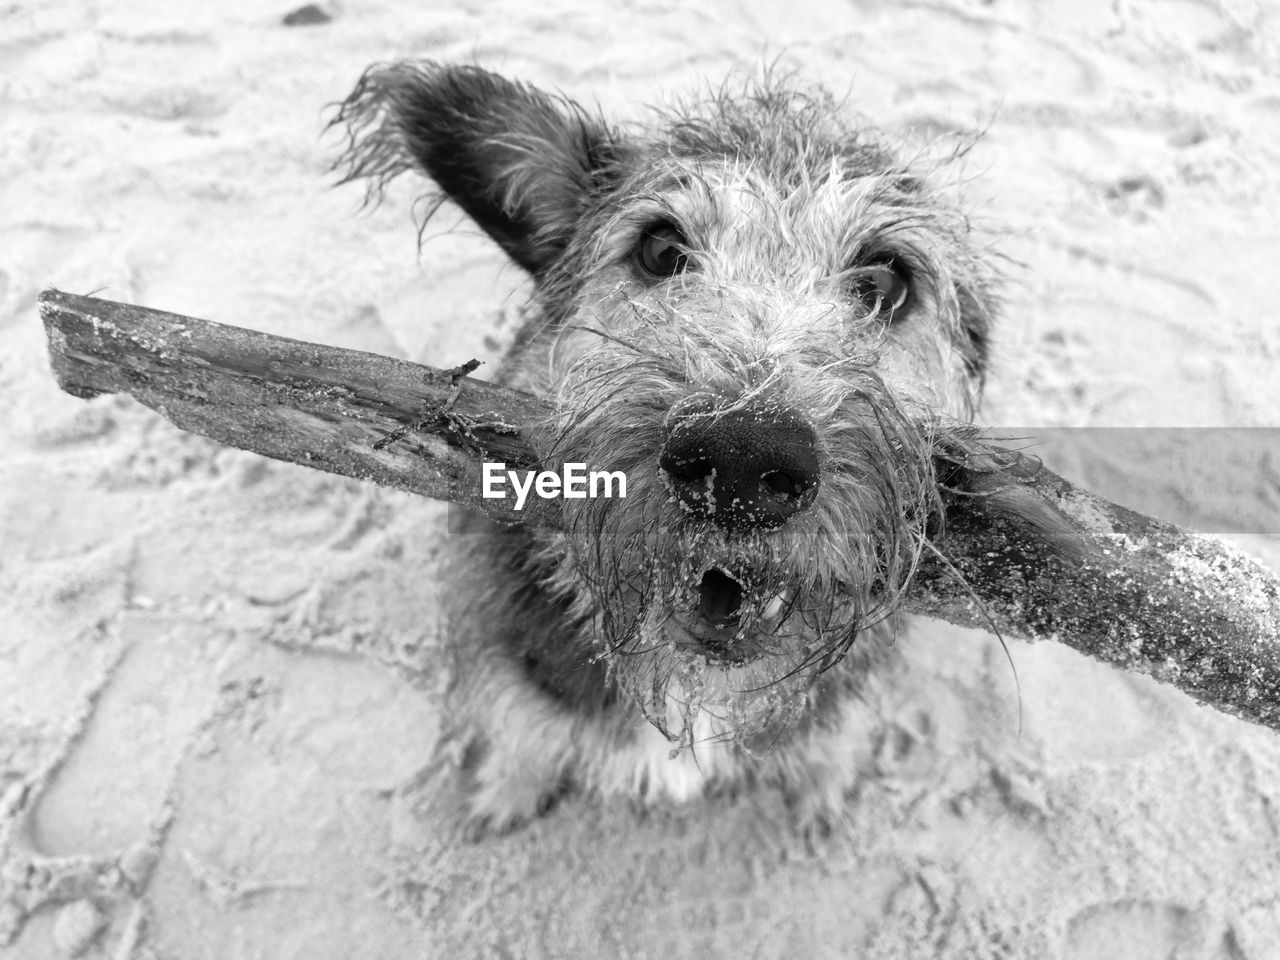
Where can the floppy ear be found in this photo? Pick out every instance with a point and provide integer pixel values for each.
(519, 162)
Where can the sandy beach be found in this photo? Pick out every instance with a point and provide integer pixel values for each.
(219, 694)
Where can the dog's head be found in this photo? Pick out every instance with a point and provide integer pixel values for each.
(756, 312)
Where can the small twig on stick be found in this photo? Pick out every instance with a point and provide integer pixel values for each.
(1043, 558)
(436, 410)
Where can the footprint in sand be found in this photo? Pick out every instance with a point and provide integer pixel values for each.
(1142, 930)
(85, 831)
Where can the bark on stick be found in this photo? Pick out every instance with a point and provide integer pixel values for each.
(357, 414)
(1022, 549)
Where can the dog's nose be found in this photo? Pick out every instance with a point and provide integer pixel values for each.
(748, 467)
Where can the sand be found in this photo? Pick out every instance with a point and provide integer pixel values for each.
(217, 695)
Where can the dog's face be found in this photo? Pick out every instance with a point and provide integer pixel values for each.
(758, 315)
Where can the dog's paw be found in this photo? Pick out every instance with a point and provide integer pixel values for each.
(497, 794)
(819, 822)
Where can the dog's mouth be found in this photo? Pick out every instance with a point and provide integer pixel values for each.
(725, 619)
(733, 643)
(720, 598)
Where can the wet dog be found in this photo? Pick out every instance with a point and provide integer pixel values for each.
(764, 318)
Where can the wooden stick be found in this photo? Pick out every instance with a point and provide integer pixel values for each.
(356, 414)
(1041, 558)
(1022, 550)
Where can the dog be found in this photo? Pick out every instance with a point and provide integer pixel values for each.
(767, 321)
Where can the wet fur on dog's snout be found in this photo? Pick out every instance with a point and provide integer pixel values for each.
(760, 266)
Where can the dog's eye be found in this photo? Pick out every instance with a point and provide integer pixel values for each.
(883, 287)
(662, 251)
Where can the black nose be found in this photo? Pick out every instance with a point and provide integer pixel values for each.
(748, 467)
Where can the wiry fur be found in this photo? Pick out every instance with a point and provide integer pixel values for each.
(566, 642)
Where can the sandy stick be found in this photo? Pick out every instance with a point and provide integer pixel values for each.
(1021, 549)
(1029, 553)
(357, 414)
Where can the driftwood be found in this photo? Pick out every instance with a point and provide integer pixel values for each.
(1021, 549)
(392, 422)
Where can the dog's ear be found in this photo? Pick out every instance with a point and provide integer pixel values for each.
(521, 163)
